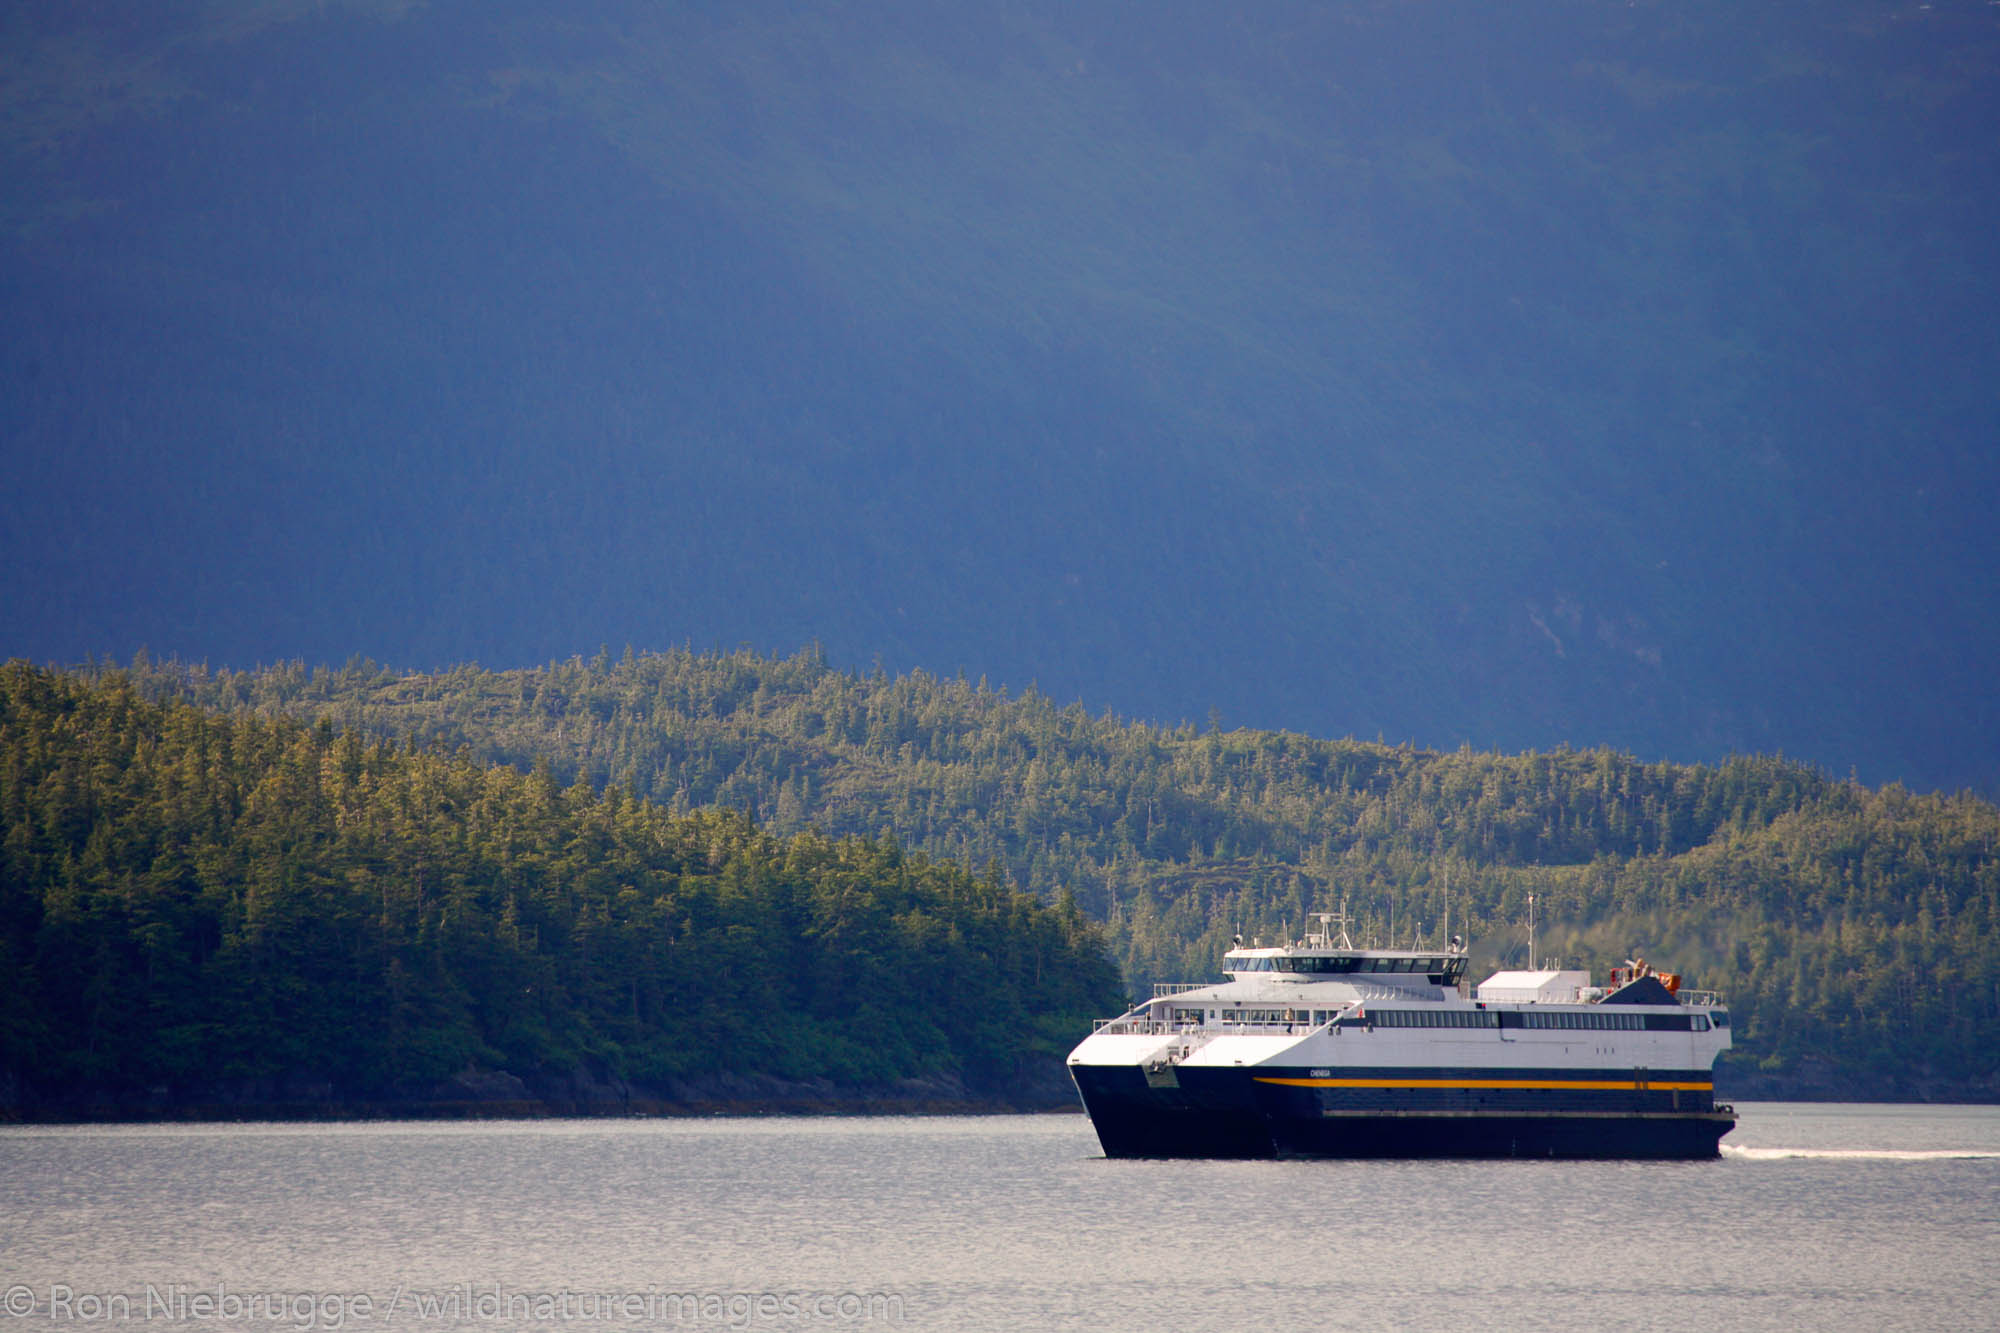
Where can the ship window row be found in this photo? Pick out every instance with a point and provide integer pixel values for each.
(1440, 1018)
(1593, 1021)
(1600, 1021)
(1342, 964)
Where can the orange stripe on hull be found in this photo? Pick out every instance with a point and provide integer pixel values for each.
(1454, 1083)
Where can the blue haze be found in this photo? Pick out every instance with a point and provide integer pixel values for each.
(1554, 372)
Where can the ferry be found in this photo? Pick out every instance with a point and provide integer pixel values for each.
(1320, 1049)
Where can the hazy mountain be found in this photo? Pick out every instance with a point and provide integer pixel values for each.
(1519, 374)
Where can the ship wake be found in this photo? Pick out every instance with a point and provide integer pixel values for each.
(1859, 1154)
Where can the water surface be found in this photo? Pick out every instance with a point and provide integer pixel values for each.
(1816, 1217)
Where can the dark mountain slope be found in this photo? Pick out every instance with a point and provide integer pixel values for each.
(1555, 371)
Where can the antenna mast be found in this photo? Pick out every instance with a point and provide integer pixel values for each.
(1327, 921)
(1531, 932)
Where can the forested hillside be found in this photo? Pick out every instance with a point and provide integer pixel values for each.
(250, 912)
(1856, 930)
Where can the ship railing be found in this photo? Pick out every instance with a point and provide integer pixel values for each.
(1164, 988)
(1142, 1027)
(1275, 1028)
(1152, 1027)
(1705, 999)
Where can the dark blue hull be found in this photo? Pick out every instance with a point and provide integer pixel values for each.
(1278, 1113)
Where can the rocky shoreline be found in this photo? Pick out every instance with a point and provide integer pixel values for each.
(480, 1094)
(498, 1095)
(1814, 1080)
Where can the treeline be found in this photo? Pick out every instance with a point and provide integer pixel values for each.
(196, 906)
(1854, 929)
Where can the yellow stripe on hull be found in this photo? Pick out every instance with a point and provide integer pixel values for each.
(1456, 1083)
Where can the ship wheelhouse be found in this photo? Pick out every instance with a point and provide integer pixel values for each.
(1439, 969)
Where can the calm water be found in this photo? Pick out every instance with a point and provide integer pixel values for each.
(1818, 1217)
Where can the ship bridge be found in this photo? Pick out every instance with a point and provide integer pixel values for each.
(1375, 965)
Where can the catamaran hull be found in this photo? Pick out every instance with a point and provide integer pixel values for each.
(1218, 1113)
